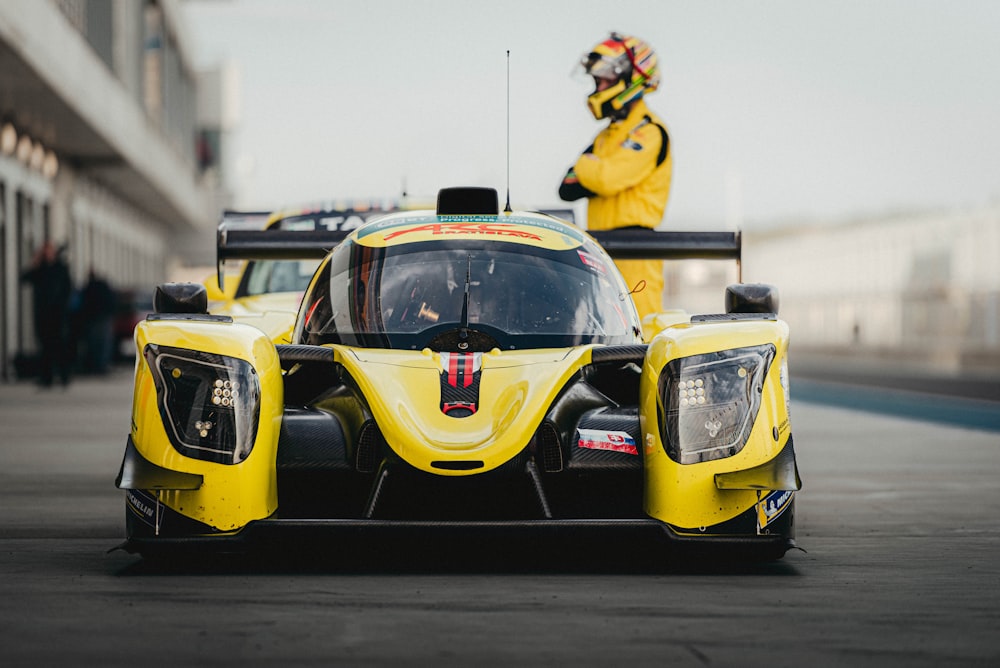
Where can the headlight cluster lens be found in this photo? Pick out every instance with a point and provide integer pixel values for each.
(209, 403)
(708, 403)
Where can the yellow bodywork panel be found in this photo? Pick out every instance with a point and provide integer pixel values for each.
(403, 391)
(231, 495)
(224, 293)
(655, 323)
(686, 495)
(272, 313)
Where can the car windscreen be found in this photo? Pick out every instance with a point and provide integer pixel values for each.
(411, 295)
(266, 276)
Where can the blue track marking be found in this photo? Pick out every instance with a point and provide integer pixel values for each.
(964, 412)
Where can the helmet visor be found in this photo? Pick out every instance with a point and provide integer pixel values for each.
(602, 67)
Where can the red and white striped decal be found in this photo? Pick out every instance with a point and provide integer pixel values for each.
(460, 367)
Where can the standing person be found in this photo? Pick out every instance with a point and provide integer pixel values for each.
(97, 310)
(51, 292)
(625, 173)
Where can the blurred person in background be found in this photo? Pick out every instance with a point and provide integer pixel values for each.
(52, 289)
(98, 305)
(625, 173)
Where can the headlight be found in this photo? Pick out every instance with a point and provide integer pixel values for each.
(209, 403)
(707, 403)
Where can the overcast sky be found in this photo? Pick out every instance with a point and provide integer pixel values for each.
(777, 109)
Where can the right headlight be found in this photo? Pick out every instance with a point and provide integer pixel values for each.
(707, 404)
(209, 403)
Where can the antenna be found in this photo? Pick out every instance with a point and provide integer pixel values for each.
(507, 208)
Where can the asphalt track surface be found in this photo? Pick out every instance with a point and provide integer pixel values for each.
(899, 517)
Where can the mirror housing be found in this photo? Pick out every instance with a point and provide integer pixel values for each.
(180, 298)
(752, 298)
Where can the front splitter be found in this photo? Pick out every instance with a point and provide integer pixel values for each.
(316, 538)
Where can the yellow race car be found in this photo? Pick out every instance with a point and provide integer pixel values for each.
(467, 369)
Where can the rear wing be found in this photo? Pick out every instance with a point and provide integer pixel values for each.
(639, 243)
(620, 244)
(276, 244)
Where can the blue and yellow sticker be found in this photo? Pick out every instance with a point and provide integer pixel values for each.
(772, 506)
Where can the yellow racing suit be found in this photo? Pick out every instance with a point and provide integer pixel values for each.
(626, 175)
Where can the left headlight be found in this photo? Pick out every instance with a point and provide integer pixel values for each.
(707, 404)
(209, 403)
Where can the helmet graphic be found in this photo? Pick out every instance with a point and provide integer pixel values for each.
(629, 65)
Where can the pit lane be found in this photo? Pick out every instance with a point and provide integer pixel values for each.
(898, 517)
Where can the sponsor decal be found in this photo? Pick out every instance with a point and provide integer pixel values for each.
(615, 441)
(334, 218)
(447, 228)
(391, 223)
(344, 223)
(490, 218)
(771, 506)
(143, 505)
